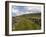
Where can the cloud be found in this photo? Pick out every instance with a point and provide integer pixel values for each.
(20, 10)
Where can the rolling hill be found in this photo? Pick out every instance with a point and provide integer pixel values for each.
(26, 22)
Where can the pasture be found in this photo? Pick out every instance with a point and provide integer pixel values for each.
(26, 22)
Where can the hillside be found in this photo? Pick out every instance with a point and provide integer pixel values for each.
(27, 22)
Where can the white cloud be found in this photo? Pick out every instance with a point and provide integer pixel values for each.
(29, 10)
(17, 13)
(14, 11)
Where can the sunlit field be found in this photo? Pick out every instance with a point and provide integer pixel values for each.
(26, 22)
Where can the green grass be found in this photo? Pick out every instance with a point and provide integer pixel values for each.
(24, 23)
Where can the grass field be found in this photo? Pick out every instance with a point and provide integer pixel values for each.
(26, 22)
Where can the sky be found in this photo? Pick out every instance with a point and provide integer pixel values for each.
(20, 10)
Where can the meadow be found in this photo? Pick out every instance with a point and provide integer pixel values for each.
(26, 22)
